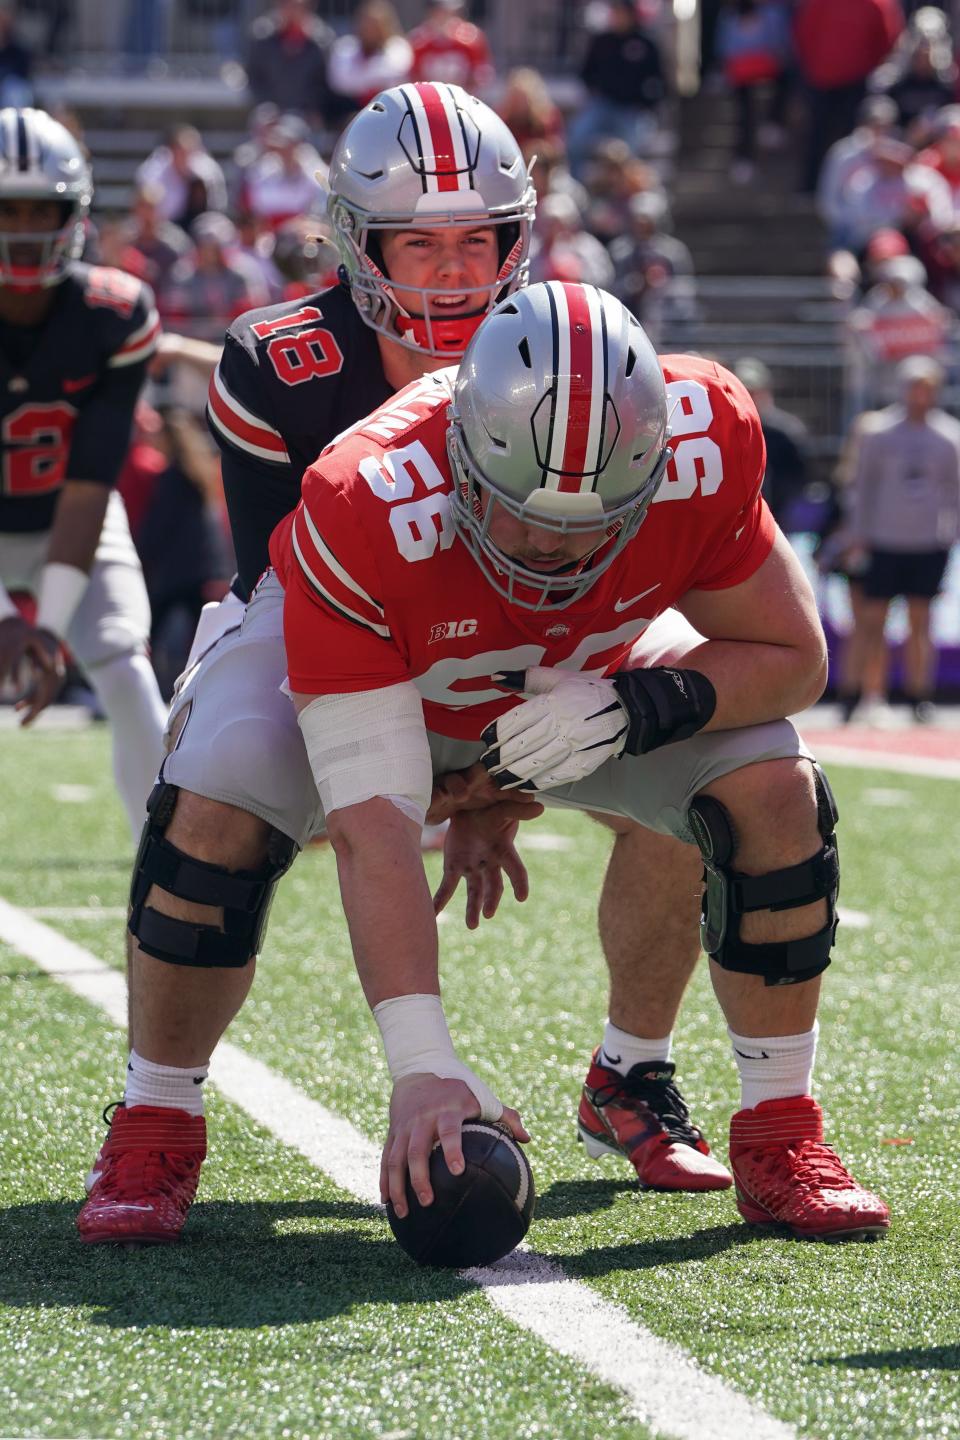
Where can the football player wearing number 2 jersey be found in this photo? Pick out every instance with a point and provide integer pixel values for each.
(74, 343)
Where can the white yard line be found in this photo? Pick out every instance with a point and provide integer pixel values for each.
(667, 1390)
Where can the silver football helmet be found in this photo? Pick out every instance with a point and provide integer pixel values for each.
(40, 160)
(560, 417)
(427, 156)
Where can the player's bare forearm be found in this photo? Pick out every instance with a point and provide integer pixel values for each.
(386, 900)
(77, 523)
(764, 651)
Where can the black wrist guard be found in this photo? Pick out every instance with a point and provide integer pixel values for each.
(663, 705)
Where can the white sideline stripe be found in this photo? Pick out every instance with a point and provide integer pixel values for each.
(666, 1388)
(885, 760)
(853, 919)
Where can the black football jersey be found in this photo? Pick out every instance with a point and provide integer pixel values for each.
(291, 377)
(68, 388)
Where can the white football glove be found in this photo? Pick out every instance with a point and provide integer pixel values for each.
(565, 727)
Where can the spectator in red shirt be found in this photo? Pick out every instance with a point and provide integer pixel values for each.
(447, 47)
(283, 182)
(837, 44)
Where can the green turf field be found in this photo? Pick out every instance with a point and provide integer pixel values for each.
(289, 1311)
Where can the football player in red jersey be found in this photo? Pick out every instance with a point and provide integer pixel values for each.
(448, 47)
(74, 343)
(517, 529)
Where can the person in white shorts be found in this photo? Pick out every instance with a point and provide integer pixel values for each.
(74, 343)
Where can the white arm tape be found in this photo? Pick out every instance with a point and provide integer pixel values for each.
(417, 1042)
(7, 607)
(372, 743)
(60, 591)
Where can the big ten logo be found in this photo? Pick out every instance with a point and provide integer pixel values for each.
(452, 630)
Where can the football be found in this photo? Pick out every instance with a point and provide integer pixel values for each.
(477, 1217)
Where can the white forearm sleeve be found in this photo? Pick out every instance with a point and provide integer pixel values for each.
(61, 589)
(369, 744)
(417, 1042)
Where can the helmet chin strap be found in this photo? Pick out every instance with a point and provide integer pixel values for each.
(449, 336)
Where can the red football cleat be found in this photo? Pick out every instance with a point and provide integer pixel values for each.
(642, 1115)
(786, 1175)
(145, 1177)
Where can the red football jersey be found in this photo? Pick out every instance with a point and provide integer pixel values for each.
(458, 55)
(380, 589)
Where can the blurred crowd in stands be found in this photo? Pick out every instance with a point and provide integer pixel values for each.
(859, 98)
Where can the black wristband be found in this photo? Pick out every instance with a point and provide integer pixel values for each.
(663, 705)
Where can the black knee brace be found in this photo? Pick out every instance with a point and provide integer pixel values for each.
(246, 895)
(728, 895)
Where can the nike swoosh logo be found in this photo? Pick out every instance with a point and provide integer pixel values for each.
(625, 604)
(70, 386)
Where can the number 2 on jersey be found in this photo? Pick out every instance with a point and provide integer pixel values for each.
(36, 443)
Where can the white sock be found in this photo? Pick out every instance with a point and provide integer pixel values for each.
(774, 1067)
(165, 1085)
(128, 692)
(620, 1051)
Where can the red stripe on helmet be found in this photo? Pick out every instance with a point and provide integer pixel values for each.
(441, 138)
(581, 398)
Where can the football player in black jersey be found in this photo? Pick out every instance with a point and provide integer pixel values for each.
(431, 208)
(74, 343)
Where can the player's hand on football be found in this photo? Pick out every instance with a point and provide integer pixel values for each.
(33, 659)
(423, 1110)
(479, 848)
